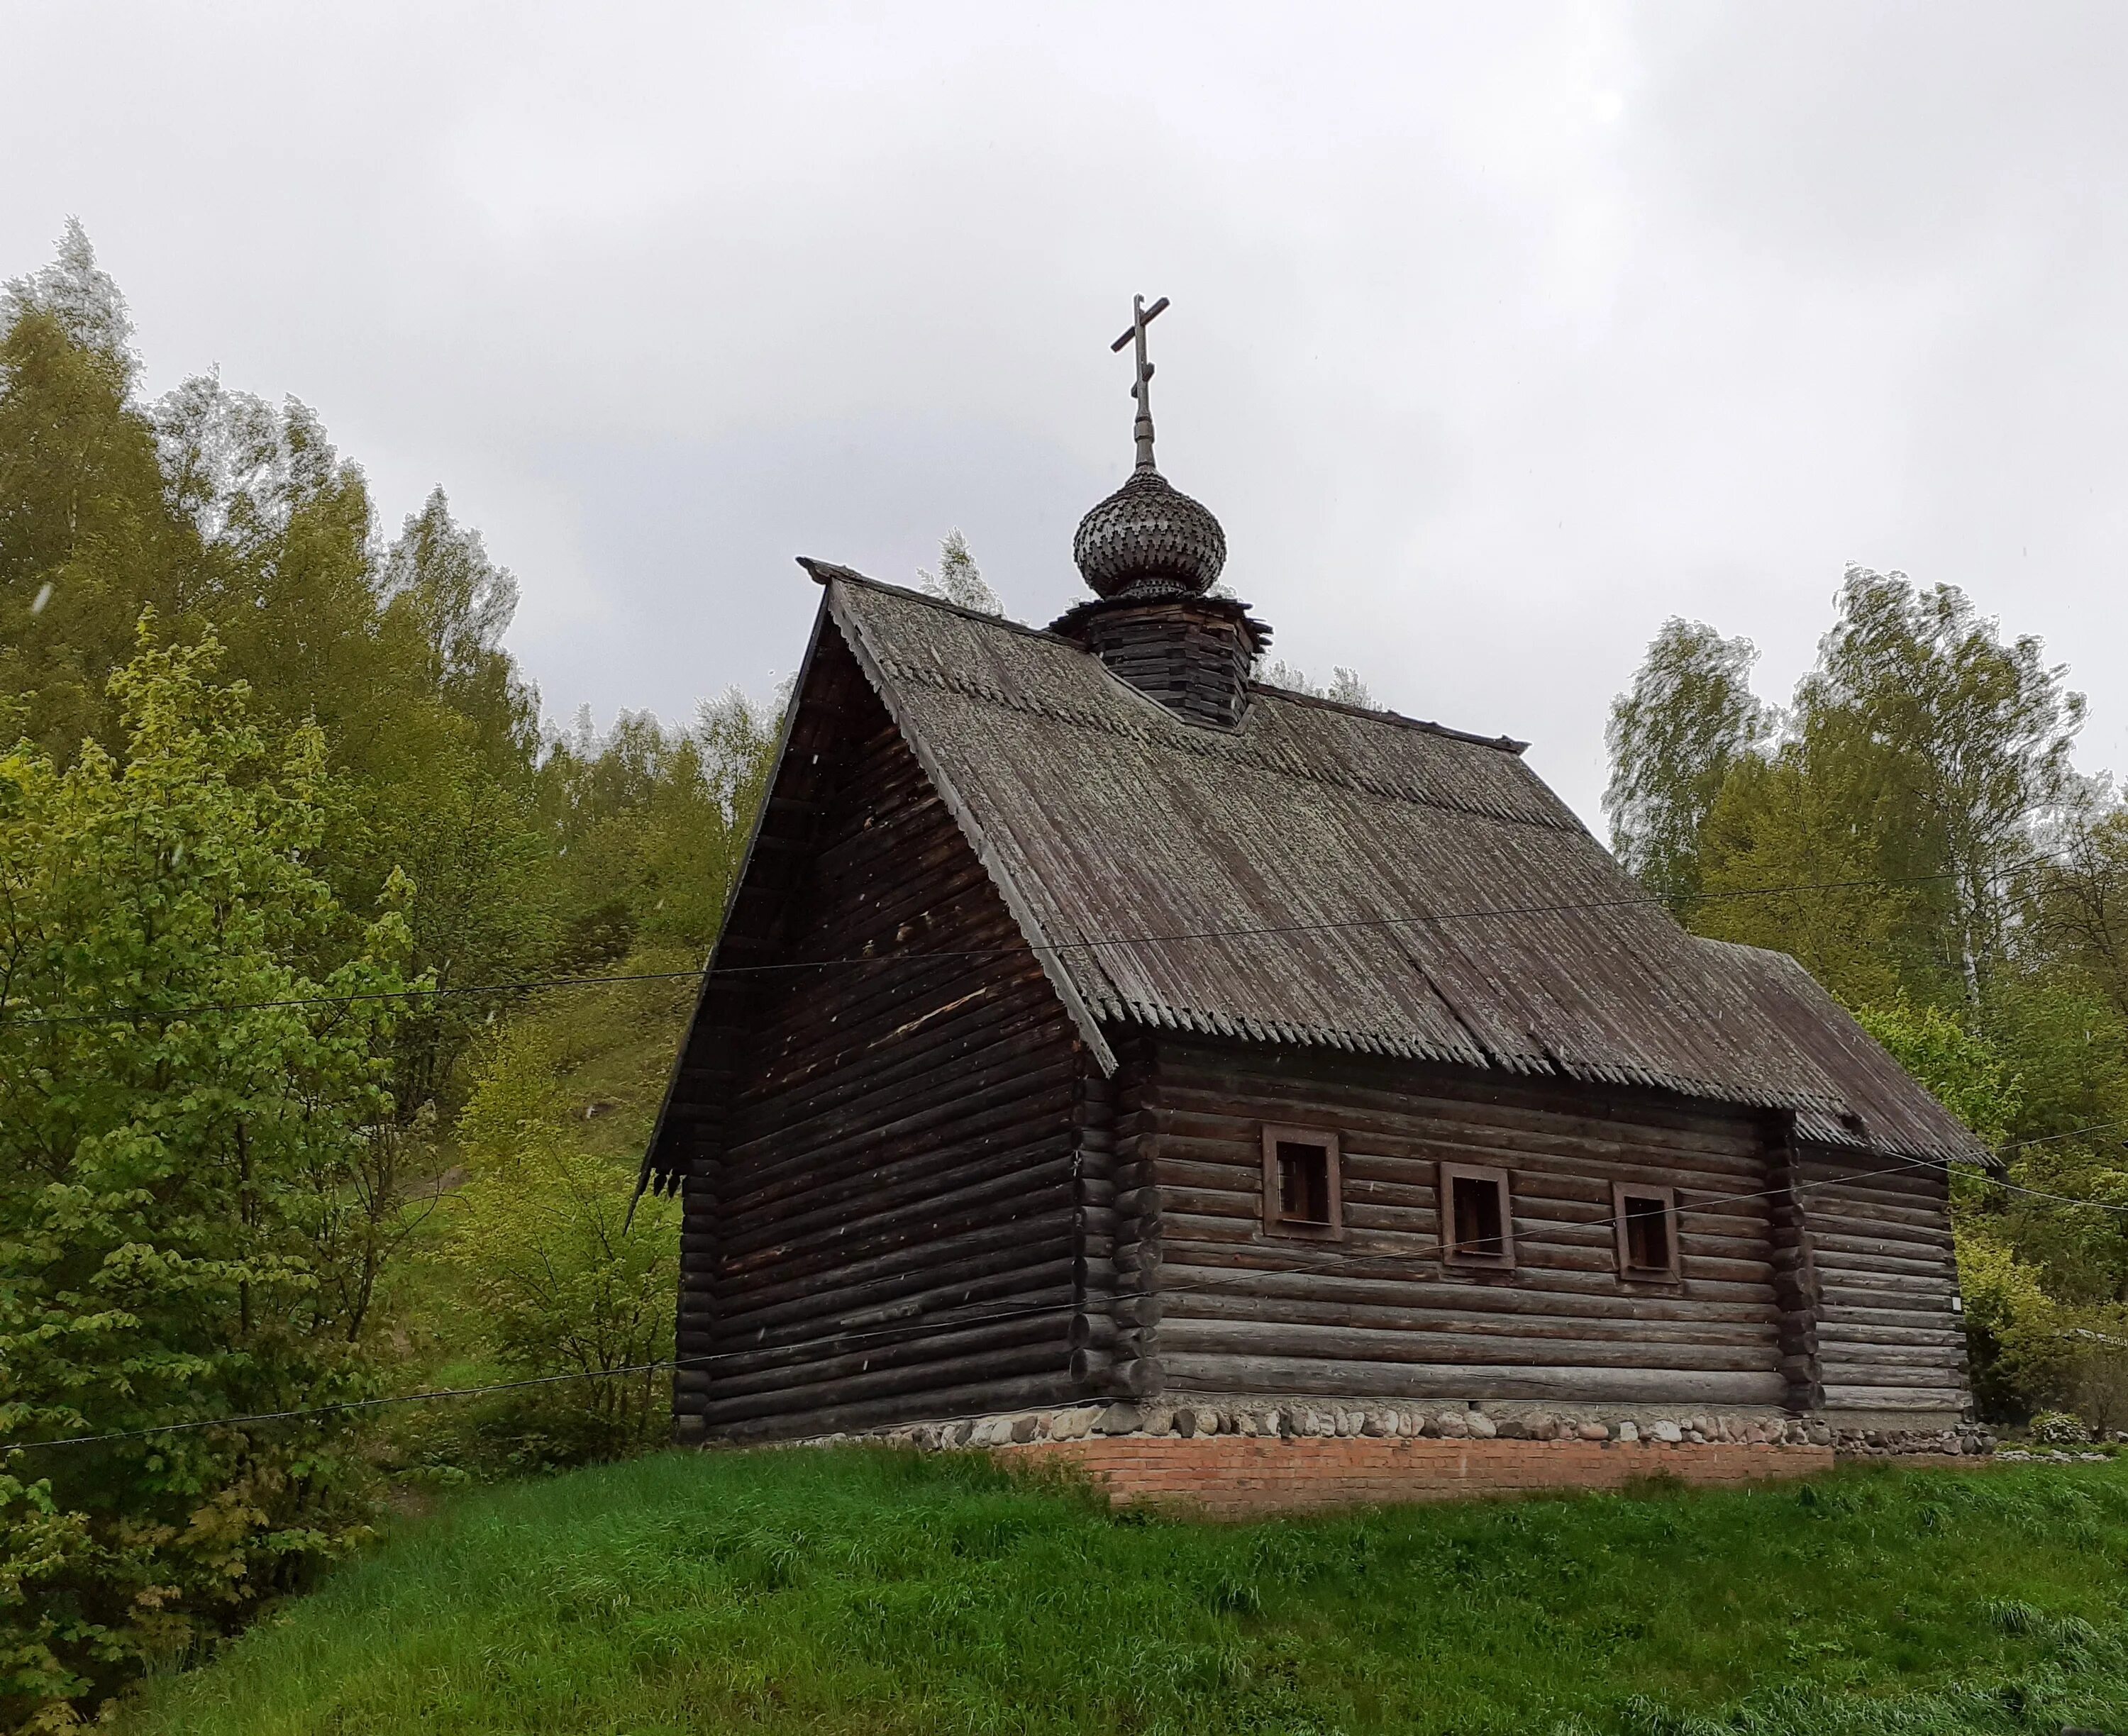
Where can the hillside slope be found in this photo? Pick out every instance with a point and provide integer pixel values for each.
(864, 1591)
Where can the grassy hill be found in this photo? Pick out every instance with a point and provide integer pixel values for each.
(859, 1591)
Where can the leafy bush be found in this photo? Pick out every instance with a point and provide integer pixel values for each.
(547, 1268)
(567, 1289)
(190, 1214)
(2060, 1429)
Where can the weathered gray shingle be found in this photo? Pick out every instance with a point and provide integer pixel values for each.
(1328, 876)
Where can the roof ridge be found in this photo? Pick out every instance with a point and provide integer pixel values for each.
(822, 572)
(1228, 744)
(1382, 714)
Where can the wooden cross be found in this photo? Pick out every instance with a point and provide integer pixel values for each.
(1141, 387)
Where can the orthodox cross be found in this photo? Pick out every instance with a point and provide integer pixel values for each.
(1141, 388)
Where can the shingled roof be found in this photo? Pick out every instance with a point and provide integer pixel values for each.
(1321, 876)
(1329, 876)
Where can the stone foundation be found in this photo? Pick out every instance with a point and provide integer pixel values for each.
(1246, 1455)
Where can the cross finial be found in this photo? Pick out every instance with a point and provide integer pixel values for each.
(1142, 385)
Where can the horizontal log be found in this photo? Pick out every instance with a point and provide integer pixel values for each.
(921, 1221)
(1045, 1084)
(1203, 1372)
(984, 1047)
(958, 1021)
(1534, 1217)
(1046, 1236)
(927, 1380)
(1840, 1253)
(952, 1175)
(1858, 1282)
(996, 1276)
(1266, 1258)
(1834, 1312)
(975, 1398)
(1540, 1251)
(1414, 1181)
(1842, 1397)
(1420, 1128)
(1526, 1325)
(1840, 1332)
(1607, 1301)
(1180, 1334)
(1187, 1059)
(776, 1367)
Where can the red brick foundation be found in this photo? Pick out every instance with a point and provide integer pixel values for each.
(1238, 1474)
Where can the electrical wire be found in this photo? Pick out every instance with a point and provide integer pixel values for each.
(945, 1322)
(949, 1321)
(532, 985)
(124, 1015)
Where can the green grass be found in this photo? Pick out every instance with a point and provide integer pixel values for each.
(861, 1591)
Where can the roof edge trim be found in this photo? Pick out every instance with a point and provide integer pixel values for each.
(664, 1176)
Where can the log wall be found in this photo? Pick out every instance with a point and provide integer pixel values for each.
(1884, 1284)
(886, 1228)
(1379, 1314)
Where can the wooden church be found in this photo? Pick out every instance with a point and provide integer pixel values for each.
(1093, 1021)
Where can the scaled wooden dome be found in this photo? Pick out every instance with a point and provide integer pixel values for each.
(1149, 539)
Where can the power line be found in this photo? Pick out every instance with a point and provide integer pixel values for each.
(535, 984)
(946, 1321)
(2064, 1199)
(2048, 1139)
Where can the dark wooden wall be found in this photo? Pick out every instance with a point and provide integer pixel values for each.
(910, 1194)
(885, 1230)
(1877, 1235)
(1380, 1315)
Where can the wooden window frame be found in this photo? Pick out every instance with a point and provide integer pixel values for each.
(1672, 1273)
(1274, 1223)
(1451, 1254)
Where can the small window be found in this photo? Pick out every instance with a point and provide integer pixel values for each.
(1477, 1226)
(1302, 1186)
(1646, 1220)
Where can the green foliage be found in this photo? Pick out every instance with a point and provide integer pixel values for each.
(565, 1284)
(651, 825)
(2015, 1332)
(1921, 757)
(568, 1273)
(191, 1222)
(201, 1216)
(86, 538)
(1951, 745)
(439, 581)
(875, 1592)
(2059, 1429)
(1690, 717)
(1783, 864)
(958, 579)
(1962, 1071)
(1891, 840)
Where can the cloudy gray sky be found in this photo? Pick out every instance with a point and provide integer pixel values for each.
(1500, 332)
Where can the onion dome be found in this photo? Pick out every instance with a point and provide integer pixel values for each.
(1149, 539)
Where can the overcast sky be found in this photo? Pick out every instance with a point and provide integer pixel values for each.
(1499, 332)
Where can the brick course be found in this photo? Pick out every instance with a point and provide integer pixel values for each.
(1226, 1474)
